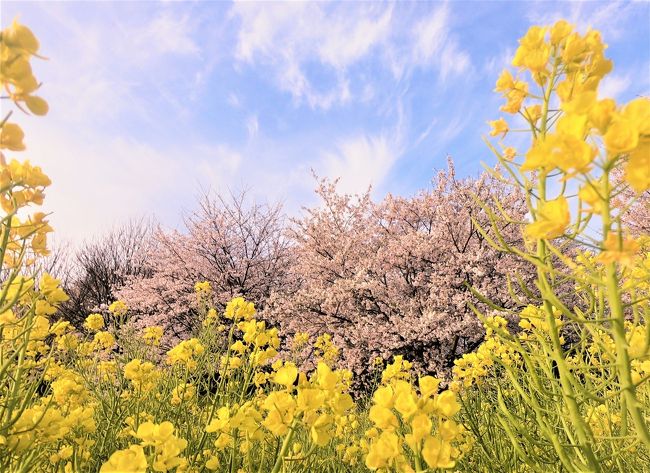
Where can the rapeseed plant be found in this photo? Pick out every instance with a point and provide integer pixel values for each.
(561, 384)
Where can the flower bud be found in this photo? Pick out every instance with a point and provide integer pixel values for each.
(11, 137)
(36, 105)
(19, 36)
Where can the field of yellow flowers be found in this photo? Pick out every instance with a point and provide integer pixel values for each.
(559, 386)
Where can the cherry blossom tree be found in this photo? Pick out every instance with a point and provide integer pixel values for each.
(635, 206)
(235, 244)
(394, 277)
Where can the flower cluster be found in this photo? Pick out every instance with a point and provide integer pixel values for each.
(185, 353)
(420, 417)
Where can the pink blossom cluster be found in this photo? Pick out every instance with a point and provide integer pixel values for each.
(394, 277)
(383, 278)
(236, 246)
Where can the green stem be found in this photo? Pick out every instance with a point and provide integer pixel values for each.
(629, 402)
(283, 450)
(546, 287)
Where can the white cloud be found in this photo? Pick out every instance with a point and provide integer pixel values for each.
(360, 161)
(614, 85)
(349, 38)
(99, 143)
(430, 35)
(290, 37)
(233, 100)
(435, 45)
(99, 71)
(495, 64)
(99, 180)
(253, 126)
(607, 17)
(166, 34)
(453, 61)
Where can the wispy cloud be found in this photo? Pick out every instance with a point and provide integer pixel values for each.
(613, 86)
(339, 38)
(150, 101)
(434, 45)
(253, 126)
(99, 181)
(607, 17)
(360, 161)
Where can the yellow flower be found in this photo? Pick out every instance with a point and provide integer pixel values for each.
(509, 153)
(202, 287)
(559, 31)
(238, 347)
(437, 453)
(505, 82)
(534, 37)
(286, 375)
(140, 374)
(428, 386)
(321, 430)
(94, 322)
(11, 137)
(51, 289)
(580, 103)
(420, 427)
(383, 417)
(406, 404)
(574, 47)
(182, 392)
(184, 353)
(638, 112)
(131, 460)
(590, 195)
(281, 407)
(212, 463)
(152, 434)
(36, 105)
(118, 308)
(533, 52)
(601, 114)
(637, 168)
(553, 218)
(167, 446)
(499, 127)
(326, 349)
(300, 339)
(20, 36)
(326, 378)
(398, 369)
(238, 309)
(446, 404)
(622, 135)
(104, 339)
(26, 174)
(152, 335)
(309, 400)
(573, 124)
(107, 369)
(533, 113)
(222, 421)
(563, 150)
(515, 97)
(383, 451)
(619, 250)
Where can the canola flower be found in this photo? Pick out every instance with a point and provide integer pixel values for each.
(572, 351)
(230, 399)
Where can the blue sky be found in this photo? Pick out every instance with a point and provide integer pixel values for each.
(151, 102)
